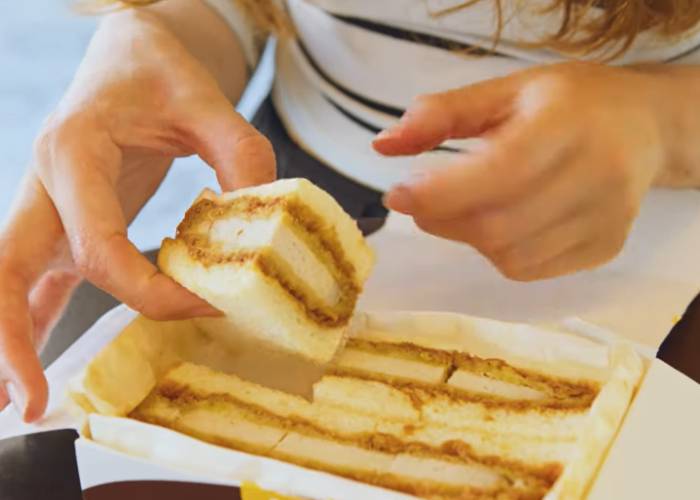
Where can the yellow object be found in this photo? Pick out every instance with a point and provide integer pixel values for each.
(250, 491)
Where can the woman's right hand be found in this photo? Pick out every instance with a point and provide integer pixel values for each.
(139, 100)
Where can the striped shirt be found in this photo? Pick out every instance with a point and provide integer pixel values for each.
(356, 65)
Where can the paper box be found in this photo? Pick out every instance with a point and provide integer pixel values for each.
(654, 456)
(138, 357)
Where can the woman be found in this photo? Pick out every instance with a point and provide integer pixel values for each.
(565, 156)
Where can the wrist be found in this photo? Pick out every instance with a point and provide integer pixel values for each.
(196, 27)
(208, 38)
(673, 98)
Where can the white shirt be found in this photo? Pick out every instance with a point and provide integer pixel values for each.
(356, 65)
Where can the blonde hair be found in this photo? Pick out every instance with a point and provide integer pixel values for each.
(587, 26)
(266, 15)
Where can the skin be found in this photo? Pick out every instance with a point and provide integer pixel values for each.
(154, 85)
(570, 150)
(569, 153)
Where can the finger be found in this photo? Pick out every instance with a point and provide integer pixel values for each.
(521, 260)
(20, 367)
(32, 236)
(240, 155)
(434, 118)
(587, 240)
(24, 256)
(582, 257)
(521, 157)
(556, 200)
(81, 184)
(47, 301)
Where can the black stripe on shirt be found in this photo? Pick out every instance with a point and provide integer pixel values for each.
(683, 54)
(418, 37)
(366, 101)
(370, 103)
(374, 129)
(446, 43)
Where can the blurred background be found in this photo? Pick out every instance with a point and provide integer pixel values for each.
(41, 45)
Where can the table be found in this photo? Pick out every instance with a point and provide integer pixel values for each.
(43, 466)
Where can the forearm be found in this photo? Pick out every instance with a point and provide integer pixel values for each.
(201, 31)
(676, 103)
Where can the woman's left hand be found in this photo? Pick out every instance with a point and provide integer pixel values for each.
(569, 152)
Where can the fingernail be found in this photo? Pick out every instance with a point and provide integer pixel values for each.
(400, 199)
(19, 402)
(384, 134)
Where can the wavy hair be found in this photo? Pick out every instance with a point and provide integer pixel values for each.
(587, 26)
(266, 15)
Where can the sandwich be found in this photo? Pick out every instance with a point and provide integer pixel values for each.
(434, 406)
(441, 417)
(429, 422)
(282, 261)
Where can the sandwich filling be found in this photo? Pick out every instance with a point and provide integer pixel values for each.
(282, 239)
(428, 422)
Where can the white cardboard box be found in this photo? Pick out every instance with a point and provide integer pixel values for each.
(654, 455)
(657, 452)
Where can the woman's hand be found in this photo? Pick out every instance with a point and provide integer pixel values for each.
(139, 100)
(569, 152)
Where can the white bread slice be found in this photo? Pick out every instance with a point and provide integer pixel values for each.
(563, 425)
(321, 203)
(469, 381)
(254, 307)
(386, 410)
(205, 382)
(390, 366)
(227, 426)
(287, 273)
(366, 397)
(424, 476)
(444, 472)
(384, 401)
(327, 454)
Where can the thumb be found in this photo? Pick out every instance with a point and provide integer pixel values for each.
(460, 113)
(240, 155)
